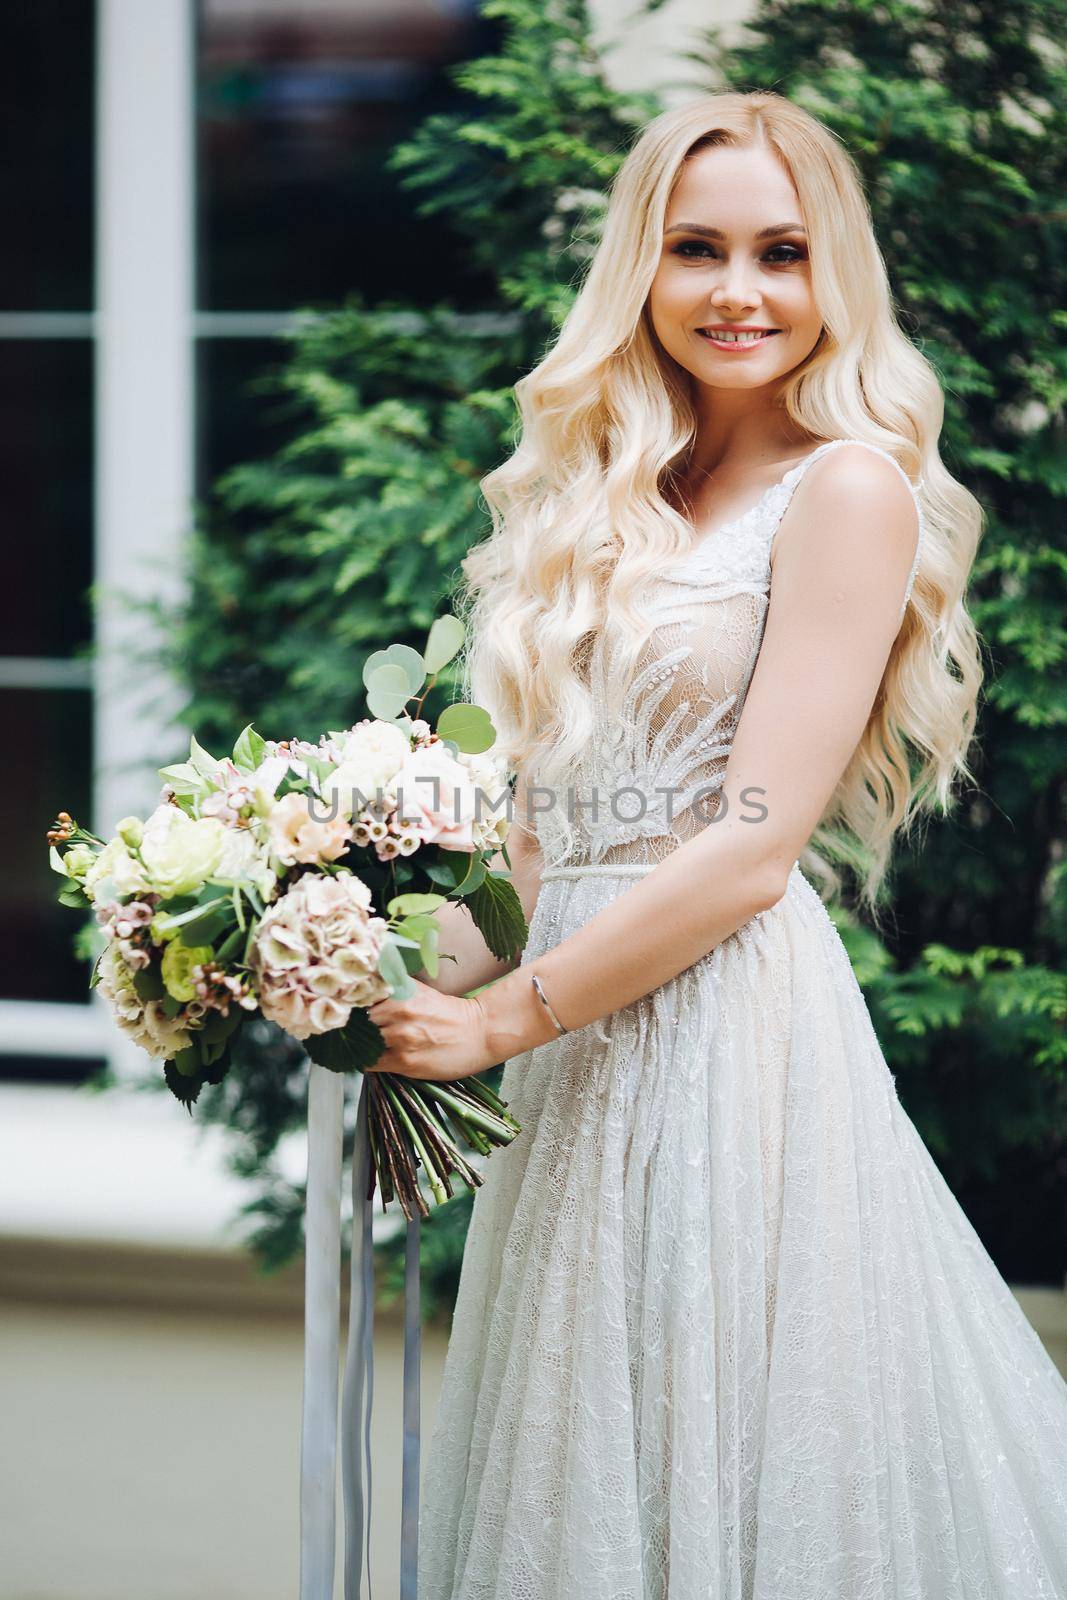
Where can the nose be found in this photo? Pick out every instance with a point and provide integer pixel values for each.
(736, 289)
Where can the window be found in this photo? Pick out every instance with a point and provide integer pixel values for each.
(184, 177)
(46, 466)
(297, 111)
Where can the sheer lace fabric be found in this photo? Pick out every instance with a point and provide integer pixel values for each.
(722, 1330)
(653, 776)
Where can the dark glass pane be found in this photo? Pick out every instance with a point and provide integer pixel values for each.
(297, 114)
(65, 1070)
(234, 423)
(46, 177)
(46, 452)
(51, 731)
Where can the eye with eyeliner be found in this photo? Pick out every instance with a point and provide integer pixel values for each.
(699, 244)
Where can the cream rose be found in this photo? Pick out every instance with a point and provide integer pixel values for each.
(435, 798)
(298, 835)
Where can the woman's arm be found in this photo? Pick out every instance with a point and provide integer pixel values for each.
(843, 558)
(475, 964)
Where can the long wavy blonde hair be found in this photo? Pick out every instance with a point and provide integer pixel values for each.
(583, 511)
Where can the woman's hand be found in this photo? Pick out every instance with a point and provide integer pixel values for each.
(433, 1036)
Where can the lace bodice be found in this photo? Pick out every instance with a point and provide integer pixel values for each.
(665, 731)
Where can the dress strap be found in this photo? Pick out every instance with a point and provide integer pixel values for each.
(793, 477)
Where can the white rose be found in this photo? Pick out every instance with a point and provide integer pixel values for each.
(179, 852)
(371, 756)
(351, 788)
(244, 861)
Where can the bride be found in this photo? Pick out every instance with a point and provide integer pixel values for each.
(722, 1329)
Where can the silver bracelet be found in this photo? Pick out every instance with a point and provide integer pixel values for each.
(535, 980)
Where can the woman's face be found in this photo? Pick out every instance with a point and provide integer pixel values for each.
(717, 272)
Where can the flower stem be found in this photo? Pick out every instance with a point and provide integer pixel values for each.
(429, 1167)
(395, 1156)
(471, 1112)
(438, 1147)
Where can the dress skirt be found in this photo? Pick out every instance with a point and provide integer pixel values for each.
(722, 1330)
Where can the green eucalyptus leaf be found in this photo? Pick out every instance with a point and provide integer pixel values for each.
(428, 946)
(388, 691)
(469, 726)
(410, 662)
(443, 641)
(411, 905)
(376, 659)
(393, 970)
(414, 927)
(401, 657)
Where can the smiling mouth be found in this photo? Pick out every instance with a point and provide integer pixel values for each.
(744, 338)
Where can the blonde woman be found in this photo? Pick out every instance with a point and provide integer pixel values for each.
(722, 1331)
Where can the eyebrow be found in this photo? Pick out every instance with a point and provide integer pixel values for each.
(717, 233)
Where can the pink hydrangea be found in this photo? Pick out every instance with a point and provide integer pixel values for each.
(315, 955)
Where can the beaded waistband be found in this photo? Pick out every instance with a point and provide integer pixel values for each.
(611, 869)
(600, 869)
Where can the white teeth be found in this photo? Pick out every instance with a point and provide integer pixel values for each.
(734, 338)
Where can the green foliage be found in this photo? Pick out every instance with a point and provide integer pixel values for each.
(956, 117)
(353, 531)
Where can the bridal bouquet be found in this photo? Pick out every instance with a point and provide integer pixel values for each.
(298, 881)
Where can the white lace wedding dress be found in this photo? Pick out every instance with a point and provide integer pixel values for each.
(722, 1331)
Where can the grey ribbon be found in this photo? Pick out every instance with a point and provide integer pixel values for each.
(359, 1358)
(318, 1460)
(322, 1304)
(409, 1515)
